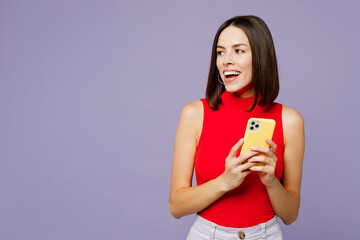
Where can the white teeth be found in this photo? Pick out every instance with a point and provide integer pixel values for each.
(231, 73)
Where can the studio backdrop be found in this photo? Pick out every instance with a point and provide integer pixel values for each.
(91, 94)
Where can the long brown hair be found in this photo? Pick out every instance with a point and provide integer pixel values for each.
(265, 72)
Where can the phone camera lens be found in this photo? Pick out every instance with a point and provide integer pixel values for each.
(251, 128)
(252, 123)
(257, 125)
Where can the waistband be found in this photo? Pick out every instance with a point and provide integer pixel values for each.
(255, 228)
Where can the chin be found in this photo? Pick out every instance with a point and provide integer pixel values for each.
(233, 89)
(247, 89)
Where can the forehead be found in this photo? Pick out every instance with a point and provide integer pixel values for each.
(232, 35)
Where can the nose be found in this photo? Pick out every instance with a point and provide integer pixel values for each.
(228, 59)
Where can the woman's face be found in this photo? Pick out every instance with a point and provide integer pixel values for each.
(234, 61)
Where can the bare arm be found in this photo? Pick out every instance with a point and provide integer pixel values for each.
(185, 199)
(285, 196)
(286, 199)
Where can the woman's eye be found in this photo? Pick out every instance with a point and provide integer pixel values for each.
(220, 53)
(239, 51)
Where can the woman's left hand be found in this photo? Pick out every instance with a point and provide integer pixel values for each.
(267, 171)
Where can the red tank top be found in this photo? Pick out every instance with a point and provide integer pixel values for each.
(249, 204)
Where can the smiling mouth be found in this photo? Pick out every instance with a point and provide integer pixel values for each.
(231, 74)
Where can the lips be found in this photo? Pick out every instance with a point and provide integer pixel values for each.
(231, 75)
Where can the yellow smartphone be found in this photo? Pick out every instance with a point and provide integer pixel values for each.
(257, 130)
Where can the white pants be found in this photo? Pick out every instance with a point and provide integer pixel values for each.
(203, 229)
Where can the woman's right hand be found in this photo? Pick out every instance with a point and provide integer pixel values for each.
(236, 168)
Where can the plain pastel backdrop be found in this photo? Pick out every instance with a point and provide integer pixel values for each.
(91, 93)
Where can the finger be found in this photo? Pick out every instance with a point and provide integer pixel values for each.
(272, 145)
(247, 166)
(244, 157)
(263, 159)
(244, 167)
(257, 168)
(264, 150)
(236, 148)
(260, 149)
(234, 162)
(257, 159)
(265, 169)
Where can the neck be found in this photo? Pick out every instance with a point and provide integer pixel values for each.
(245, 92)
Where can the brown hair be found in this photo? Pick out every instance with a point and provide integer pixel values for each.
(265, 72)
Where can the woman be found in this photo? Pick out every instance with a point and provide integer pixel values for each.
(235, 196)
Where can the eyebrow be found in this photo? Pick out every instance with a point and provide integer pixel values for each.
(236, 45)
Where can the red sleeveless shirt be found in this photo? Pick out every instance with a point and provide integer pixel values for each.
(248, 204)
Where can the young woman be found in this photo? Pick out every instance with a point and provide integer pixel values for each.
(235, 197)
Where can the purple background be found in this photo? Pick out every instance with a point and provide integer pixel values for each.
(91, 93)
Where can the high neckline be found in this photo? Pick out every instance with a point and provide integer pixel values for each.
(229, 99)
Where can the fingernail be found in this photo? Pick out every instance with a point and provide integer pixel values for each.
(252, 147)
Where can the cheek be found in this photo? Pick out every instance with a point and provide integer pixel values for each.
(218, 64)
(247, 65)
(245, 62)
(247, 69)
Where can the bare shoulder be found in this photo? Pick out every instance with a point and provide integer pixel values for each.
(293, 124)
(192, 118)
(193, 109)
(192, 113)
(291, 117)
